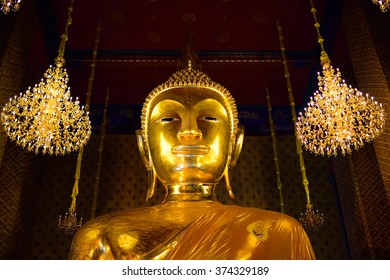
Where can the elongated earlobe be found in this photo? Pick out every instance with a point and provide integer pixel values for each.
(152, 182)
(237, 146)
(142, 148)
(227, 183)
(233, 159)
(152, 177)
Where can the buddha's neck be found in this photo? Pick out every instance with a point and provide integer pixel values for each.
(190, 192)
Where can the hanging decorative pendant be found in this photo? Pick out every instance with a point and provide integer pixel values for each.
(308, 218)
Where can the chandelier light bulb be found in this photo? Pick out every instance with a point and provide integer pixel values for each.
(10, 5)
(384, 5)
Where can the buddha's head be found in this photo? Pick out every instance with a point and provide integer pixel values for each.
(189, 131)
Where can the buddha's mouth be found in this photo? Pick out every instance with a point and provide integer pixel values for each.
(190, 150)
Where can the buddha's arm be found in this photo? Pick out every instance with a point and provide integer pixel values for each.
(90, 246)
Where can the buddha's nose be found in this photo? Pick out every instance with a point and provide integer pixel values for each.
(189, 131)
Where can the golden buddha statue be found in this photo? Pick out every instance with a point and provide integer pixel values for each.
(189, 139)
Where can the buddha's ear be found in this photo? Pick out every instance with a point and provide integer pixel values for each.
(152, 178)
(142, 148)
(237, 146)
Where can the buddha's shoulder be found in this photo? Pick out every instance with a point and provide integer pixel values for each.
(251, 214)
(136, 219)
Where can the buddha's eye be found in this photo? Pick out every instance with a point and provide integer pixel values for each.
(209, 118)
(168, 119)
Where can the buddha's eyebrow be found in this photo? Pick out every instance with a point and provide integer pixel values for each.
(210, 105)
(168, 105)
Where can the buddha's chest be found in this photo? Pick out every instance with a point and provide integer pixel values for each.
(143, 240)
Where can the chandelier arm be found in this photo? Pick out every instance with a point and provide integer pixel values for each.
(100, 151)
(276, 159)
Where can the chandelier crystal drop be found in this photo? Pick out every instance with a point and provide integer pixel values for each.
(10, 5)
(338, 118)
(45, 119)
(384, 5)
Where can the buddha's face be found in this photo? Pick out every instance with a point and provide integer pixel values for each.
(189, 136)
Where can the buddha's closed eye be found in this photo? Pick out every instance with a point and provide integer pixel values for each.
(209, 118)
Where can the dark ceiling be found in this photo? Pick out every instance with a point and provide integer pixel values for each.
(237, 42)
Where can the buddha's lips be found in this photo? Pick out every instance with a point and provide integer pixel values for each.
(190, 150)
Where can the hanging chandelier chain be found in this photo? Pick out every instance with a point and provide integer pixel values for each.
(311, 219)
(100, 152)
(60, 61)
(325, 60)
(93, 65)
(276, 158)
(305, 181)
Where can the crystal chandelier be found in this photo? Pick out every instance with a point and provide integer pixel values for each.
(10, 5)
(338, 118)
(45, 119)
(70, 223)
(384, 5)
(311, 219)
